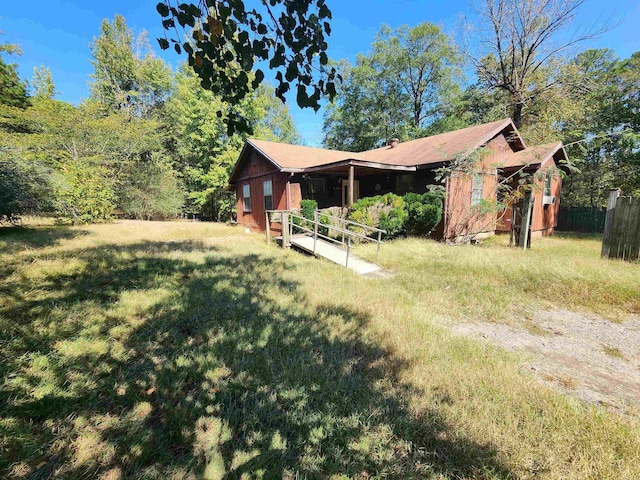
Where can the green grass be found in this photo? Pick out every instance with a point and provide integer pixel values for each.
(191, 350)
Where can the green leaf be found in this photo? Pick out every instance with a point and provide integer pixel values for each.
(162, 9)
(164, 43)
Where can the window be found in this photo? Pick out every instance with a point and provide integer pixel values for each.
(404, 184)
(267, 190)
(246, 197)
(476, 188)
(547, 185)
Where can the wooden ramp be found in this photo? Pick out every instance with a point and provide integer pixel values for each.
(333, 253)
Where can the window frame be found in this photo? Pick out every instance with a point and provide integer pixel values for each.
(476, 198)
(246, 195)
(547, 191)
(264, 194)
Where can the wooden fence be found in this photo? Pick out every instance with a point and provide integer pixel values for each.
(621, 237)
(581, 219)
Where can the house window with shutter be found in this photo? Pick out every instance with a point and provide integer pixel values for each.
(267, 190)
(246, 197)
(476, 188)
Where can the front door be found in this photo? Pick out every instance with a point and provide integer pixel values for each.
(345, 191)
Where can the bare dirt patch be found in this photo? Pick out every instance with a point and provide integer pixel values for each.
(590, 357)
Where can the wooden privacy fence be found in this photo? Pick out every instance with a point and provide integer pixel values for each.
(621, 237)
(581, 219)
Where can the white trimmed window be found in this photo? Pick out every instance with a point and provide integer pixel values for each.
(476, 188)
(267, 190)
(246, 197)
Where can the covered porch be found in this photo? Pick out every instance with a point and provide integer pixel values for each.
(343, 183)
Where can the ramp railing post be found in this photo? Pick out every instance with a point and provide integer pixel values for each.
(268, 229)
(290, 230)
(285, 229)
(315, 231)
(346, 263)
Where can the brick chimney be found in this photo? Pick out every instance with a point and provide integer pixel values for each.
(393, 143)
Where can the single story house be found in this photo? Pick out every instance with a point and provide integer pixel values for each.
(277, 176)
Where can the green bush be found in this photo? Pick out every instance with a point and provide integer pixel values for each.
(86, 193)
(308, 207)
(382, 211)
(151, 190)
(424, 212)
(25, 188)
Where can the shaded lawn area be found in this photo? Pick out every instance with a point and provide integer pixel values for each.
(178, 350)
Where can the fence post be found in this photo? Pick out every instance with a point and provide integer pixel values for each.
(608, 222)
(379, 240)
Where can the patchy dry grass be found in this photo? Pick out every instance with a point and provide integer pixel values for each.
(612, 352)
(183, 350)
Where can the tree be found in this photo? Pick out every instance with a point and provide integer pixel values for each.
(24, 188)
(42, 83)
(204, 153)
(127, 75)
(401, 89)
(152, 191)
(519, 40)
(601, 132)
(13, 91)
(421, 60)
(226, 39)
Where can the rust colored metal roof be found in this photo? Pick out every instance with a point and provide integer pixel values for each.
(531, 156)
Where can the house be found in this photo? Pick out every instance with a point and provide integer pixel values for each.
(277, 176)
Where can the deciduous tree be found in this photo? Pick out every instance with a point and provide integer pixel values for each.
(226, 38)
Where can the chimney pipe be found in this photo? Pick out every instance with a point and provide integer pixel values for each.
(393, 143)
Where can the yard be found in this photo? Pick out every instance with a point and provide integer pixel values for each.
(191, 350)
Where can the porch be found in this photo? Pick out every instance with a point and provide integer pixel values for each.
(342, 185)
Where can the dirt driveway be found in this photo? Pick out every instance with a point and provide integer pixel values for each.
(592, 358)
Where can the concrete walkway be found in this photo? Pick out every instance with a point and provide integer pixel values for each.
(334, 253)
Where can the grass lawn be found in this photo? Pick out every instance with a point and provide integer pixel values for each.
(193, 350)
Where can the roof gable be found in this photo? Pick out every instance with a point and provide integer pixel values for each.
(538, 155)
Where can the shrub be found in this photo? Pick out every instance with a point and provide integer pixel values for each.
(424, 212)
(308, 207)
(86, 194)
(383, 211)
(25, 188)
(151, 190)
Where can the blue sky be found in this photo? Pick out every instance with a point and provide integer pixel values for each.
(57, 33)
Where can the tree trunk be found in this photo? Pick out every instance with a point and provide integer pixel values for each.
(517, 115)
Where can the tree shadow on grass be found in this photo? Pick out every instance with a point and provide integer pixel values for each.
(19, 237)
(228, 373)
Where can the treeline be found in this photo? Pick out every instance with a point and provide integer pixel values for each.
(148, 143)
(412, 84)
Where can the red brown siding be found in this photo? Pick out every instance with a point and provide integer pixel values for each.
(255, 171)
(463, 219)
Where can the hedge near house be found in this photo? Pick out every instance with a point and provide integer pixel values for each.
(424, 212)
(387, 212)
